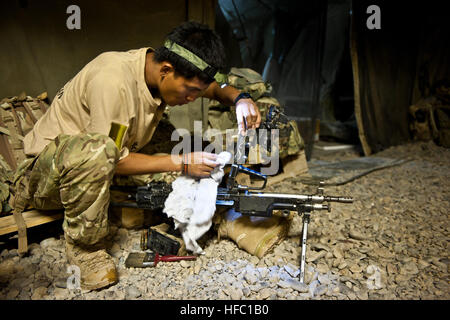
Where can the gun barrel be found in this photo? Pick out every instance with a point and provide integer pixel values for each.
(339, 199)
(303, 197)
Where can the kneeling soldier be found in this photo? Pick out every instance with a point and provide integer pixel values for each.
(101, 118)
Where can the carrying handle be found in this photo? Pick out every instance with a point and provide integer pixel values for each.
(235, 169)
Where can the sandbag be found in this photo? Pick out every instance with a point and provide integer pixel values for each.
(256, 235)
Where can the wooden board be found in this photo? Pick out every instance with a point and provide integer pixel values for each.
(32, 218)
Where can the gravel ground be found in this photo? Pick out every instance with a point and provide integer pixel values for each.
(391, 243)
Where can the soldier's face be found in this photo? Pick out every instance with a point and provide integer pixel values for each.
(177, 90)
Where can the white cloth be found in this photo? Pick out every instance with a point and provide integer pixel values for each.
(192, 204)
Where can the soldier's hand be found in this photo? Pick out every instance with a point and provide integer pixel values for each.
(248, 115)
(200, 164)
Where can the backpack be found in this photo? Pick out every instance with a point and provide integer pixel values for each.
(224, 117)
(18, 115)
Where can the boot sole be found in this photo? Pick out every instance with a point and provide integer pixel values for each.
(99, 285)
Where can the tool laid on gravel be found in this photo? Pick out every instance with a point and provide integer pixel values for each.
(151, 259)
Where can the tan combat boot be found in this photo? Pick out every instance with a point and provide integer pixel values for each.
(97, 268)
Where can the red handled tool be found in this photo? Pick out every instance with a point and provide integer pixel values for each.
(151, 259)
(170, 258)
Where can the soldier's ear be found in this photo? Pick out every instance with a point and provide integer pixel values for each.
(165, 69)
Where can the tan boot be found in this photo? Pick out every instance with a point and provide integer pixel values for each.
(97, 268)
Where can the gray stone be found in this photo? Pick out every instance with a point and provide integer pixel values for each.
(312, 287)
(39, 293)
(60, 294)
(13, 253)
(292, 270)
(236, 294)
(320, 290)
(41, 282)
(250, 277)
(324, 279)
(409, 268)
(49, 242)
(337, 252)
(265, 293)
(354, 234)
(61, 282)
(315, 256)
(12, 294)
(322, 268)
(298, 286)
(132, 292)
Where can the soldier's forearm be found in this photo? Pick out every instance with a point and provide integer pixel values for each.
(225, 96)
(138, 163)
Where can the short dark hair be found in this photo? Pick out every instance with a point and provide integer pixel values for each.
(200, 40)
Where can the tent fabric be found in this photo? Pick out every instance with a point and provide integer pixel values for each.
(390, 63)
(283, 41)
(393, 67)
(39, 53)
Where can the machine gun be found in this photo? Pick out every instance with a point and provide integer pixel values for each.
(247, 201)
(250, 201)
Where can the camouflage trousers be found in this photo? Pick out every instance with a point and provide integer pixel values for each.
(73, 173)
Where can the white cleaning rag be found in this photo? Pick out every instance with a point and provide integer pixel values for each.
(192, 203)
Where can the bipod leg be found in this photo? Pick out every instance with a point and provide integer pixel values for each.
(306, 217)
